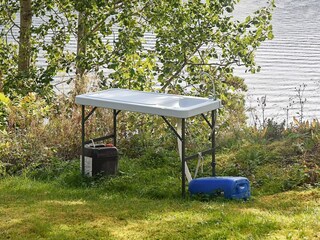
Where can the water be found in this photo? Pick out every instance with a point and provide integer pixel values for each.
(291, 59)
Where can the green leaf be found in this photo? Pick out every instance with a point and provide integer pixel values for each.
(4, 98)
(270, 35)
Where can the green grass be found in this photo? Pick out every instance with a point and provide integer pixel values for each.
(61, 208)
(53, 201)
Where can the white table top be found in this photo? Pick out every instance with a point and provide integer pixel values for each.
(149, 102)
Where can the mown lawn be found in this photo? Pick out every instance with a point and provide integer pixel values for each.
(33, 209)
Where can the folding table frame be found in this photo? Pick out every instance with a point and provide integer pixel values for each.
(181, 136)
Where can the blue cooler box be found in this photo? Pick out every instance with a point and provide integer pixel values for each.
(232, 187)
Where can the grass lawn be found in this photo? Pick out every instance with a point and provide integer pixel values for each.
(33, 209)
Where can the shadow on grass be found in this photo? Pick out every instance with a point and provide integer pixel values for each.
(31, 209)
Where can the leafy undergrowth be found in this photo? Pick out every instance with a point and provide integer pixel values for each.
(274, 162)
(33, 209)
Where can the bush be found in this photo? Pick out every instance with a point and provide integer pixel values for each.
(36, 132)
(274, 130)
(4, 102)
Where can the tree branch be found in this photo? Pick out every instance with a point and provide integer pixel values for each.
(97, 26)
(185, 62)
(215, 64)
(12, 35)
(10, 19)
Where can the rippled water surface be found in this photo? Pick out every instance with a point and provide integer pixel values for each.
(291, 59)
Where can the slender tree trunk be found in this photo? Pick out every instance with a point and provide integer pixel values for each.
(25, 36)
(81, 52)
(81, 43)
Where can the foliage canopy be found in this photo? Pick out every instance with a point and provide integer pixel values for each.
(112, 42)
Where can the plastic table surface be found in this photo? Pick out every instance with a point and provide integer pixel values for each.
(169, 105)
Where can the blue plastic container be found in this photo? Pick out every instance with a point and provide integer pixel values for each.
(232, 187)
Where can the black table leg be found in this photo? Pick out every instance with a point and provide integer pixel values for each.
(213, 142)
(183, 160)
(82, 137)
(115, 127)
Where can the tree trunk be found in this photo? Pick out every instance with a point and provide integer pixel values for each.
(81, 43)
(25, 36)
(80, 83)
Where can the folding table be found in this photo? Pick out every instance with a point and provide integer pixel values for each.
(164, 105)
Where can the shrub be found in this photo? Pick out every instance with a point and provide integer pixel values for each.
(4, 102)
(274, 130)
(37, 132)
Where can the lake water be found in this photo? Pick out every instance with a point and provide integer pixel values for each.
(291, 59)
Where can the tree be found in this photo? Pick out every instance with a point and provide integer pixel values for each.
(19, 71)
(194, 37)
(191, 37)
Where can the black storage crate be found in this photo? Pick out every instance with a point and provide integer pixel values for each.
(104, 159)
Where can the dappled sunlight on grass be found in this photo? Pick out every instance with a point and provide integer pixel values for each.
(66, 203)
(31, 209)
(292, 202)
(297, 214)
